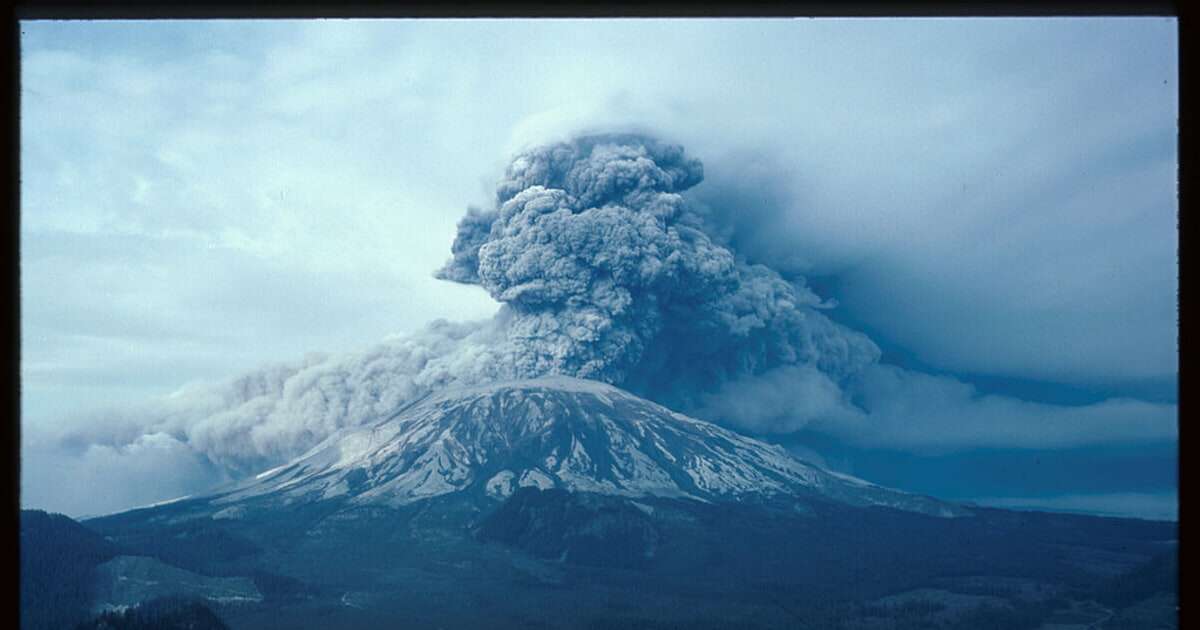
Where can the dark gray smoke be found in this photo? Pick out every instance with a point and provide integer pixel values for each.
(610, 274)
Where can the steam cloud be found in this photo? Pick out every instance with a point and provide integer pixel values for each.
(604, 271)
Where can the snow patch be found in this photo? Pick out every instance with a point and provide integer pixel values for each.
(851, 479)
(336, 490)
(268, 473)
(161, 503)
(535, 477)
(501, 484)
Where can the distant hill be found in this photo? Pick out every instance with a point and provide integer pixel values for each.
(58, 556)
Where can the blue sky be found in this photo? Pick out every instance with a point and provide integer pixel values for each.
(992, 201)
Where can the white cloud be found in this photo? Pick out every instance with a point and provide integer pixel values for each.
(935, 414)
(889, 407)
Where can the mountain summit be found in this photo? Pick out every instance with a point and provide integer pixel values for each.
(552, 432)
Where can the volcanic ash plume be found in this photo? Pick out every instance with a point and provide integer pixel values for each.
(604, 272)
(609, 274)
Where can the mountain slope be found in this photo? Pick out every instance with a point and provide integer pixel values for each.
(553, 432)
(58, 560)
(562, 503)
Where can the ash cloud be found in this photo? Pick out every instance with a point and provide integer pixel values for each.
(276, 413)
(610, 273)
(605, 269)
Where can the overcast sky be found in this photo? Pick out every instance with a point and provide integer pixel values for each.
(992, 201)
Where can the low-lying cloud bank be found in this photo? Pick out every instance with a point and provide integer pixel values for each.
(887, 406)
(1148, 505)
(605, 269)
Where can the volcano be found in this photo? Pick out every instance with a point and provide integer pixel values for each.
(552, 432)
(560, 502)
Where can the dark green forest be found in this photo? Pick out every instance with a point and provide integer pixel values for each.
(826, 568)
(57, 558)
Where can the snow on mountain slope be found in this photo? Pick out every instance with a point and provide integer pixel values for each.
(553, 432)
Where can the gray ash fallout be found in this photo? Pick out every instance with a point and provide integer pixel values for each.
(607, 272)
